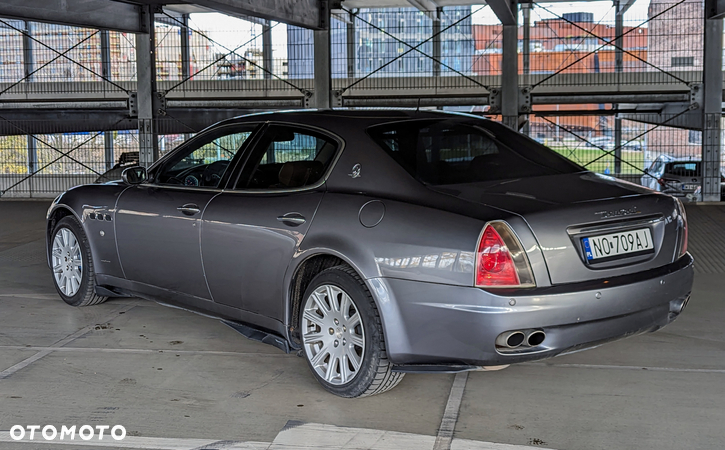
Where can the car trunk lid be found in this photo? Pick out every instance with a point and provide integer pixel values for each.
(562, 210)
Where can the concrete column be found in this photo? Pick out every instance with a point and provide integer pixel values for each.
(437, 42)
(618, 67)
(267, 49)
(146, 76)
(712, 108)
(526, 51)
(185, 48)
(351, 44)
(28, 67)
(510, 73)
(323, 73)
(106, 72)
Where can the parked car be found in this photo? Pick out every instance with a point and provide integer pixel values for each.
(127, 159)
(680, 177)
(603, 142)
(380, 242)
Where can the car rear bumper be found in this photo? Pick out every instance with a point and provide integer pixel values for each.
(436, 324)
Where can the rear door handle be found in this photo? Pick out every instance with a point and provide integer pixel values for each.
(189, 209)
(292, 219)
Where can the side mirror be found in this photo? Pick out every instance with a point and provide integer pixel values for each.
(134, 175)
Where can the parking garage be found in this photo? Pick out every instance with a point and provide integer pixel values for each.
(111, 94)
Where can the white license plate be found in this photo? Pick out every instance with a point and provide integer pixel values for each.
(618, 244)
(689, 187)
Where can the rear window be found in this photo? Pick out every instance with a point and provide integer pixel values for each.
(439, 152)
(683, 169)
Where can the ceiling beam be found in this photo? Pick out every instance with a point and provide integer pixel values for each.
(303, 13)
(103, 14)
(505, 10)
(624, 6)
(428, 7)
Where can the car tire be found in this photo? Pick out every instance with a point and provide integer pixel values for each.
(348, 333)
(69, 248)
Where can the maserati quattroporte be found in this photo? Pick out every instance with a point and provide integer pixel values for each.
(376, 243)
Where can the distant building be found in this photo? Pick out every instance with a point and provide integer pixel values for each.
(374, 49)
(676, 45)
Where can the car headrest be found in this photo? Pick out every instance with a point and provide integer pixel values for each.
(300, 173)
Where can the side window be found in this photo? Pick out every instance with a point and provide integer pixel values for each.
(204, 161)
(287, 158)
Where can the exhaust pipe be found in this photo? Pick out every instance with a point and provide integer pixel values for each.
(510, 339)
(535, 338)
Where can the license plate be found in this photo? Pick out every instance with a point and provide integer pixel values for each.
(615, 245)
(689, 187)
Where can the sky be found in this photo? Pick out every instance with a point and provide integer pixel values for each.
(232, 32)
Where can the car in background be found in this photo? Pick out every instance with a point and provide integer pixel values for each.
(679, 177)
(603, 142)
(127, 159)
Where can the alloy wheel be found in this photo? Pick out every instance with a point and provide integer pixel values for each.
(67, 262)
(333, 334)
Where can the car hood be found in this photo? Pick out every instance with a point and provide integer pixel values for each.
(556, 206)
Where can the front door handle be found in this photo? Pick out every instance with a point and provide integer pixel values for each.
(189, 209)
(292, 219)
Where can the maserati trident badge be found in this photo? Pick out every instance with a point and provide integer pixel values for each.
(355, 171)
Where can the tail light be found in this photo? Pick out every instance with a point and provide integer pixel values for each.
(501, 261)
(665, 181)
(682, 230)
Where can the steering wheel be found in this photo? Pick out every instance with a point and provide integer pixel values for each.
(213, 173)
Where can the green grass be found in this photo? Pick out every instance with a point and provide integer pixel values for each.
(632, 161)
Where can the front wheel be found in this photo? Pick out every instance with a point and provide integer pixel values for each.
(70, 256)
(343, 337)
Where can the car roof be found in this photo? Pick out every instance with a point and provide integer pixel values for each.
(370, 116)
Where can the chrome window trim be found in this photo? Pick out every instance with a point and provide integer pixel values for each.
(323, 179)
(161, 161)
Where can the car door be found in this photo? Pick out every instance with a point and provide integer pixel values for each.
(251, 232)
(158, 222)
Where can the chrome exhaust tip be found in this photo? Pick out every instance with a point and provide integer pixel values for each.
(535, 338)
(510, 339)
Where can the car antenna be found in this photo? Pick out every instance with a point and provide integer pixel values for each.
(417, 109)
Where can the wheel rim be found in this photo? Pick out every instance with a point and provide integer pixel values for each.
(333, 334)
(67, 262)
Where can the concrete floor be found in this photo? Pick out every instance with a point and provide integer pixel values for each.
(167, 373)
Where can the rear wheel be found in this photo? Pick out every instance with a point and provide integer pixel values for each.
(343, 337)
(70, 256)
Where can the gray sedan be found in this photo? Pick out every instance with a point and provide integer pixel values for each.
(376, 243)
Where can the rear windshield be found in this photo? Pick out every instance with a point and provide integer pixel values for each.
(439, 152)
(683, 169)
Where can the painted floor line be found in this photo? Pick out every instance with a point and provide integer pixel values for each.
(450, 415)
(615, 367)
(315, 436)
(139, 351)
(66, 340)
(145, 443)
(295, 436)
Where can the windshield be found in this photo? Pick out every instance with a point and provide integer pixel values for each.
(439, 152)
(683, 169)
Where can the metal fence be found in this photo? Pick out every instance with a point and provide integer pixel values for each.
(381, 53)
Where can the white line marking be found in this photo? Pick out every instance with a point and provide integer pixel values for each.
(604, 366)
(66, 340)
(450, 416)
(150, 443)
(295, 436)
(315, 436)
